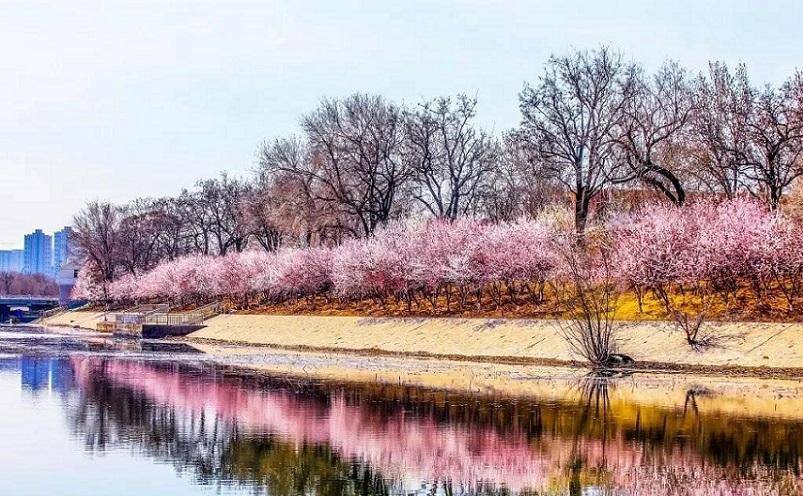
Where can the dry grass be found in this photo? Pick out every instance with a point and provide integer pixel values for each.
(742, 308)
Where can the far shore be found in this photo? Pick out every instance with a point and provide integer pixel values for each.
(768, 350)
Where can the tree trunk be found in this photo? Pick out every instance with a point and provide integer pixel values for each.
(581, 207)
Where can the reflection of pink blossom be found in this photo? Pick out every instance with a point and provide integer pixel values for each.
(411, 447)
(400, 446)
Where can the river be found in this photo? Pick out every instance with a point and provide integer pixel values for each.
(88, 416)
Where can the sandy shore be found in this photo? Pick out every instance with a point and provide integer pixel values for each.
(79, 319)
(715, 395)
(765, 349)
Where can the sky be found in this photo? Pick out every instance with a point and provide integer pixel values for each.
(106, 100)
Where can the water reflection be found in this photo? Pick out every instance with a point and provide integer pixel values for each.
(53, 374)
(281, 436)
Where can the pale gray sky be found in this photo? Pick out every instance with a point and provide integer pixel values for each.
(113, 100)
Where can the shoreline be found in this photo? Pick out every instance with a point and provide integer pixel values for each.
(765, 397)
(762, 350)
(662, 368)
(767, 394)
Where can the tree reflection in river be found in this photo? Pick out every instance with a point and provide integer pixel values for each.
(291, 438)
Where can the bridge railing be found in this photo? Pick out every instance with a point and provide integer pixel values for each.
(136, 314)
(29, 298)
(191, 317)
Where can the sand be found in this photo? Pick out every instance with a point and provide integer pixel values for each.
(744, 344)
(80, 319)
(761, 347)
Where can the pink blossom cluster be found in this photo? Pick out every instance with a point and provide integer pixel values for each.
(406, 262)
(720, 246)
(724, 246)
(290, 272)
(88, 286)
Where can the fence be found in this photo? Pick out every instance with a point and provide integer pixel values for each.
(192, 317)
(49, 313)
(134, 317)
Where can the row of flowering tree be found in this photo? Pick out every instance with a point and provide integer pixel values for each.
(595, 128)
(705, 252)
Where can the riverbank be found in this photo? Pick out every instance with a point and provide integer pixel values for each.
(748, 349)
(74, 318)
(714, 395)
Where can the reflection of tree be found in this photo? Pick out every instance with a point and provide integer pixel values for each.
(322, 437)
(217, 451)
(690, 404)
(284, 469)
(596, 403)
(593, 420)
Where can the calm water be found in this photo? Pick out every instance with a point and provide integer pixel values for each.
(78, 418)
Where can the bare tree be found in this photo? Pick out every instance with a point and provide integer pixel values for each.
(141, 230)
(518, 187)
(775, 152)
(451, 159)
(221, 200)
(97, 238)
(568, 121)
(176, 236)
(718, 131)
(260, 209)
(15, 283)
(304, 209)
(352, 160)
(196, 222)
(590, 298)
(7, 281)
(656, 113)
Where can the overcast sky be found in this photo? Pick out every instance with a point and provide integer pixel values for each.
(111, 100)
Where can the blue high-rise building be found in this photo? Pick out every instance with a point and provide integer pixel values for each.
(62, 248)
(38, 254)
(11, 260)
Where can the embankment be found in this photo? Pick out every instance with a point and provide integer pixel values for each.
(75, 319)
(769, 349)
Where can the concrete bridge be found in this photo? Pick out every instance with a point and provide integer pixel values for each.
(25, 308)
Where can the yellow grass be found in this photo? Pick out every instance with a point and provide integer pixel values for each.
(743, 307)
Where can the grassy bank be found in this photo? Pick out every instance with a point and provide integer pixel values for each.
(741, 307)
